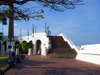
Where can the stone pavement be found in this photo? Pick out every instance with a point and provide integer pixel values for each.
(36, 65)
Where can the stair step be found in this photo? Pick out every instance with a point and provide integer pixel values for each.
(58, 42)
(60, 48)
(62, 53)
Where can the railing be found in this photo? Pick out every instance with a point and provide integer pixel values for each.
(72, 45)
(49, 46)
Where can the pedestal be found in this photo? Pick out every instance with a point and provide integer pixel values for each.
(10, 47)
(29, 51)
(17, 51)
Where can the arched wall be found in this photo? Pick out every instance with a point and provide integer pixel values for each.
(37, 36)
(35, 46)
(38, 47)
(43, 38)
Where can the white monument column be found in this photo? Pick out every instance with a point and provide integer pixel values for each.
(10, 46)
(2, 50)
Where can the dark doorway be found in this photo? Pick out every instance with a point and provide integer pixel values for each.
(38, 47)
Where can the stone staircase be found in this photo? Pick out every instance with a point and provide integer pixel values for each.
(60, 48)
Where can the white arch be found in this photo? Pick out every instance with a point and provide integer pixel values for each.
(35, 50)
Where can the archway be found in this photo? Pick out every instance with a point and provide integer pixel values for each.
(17, 42)
(24, 47)
(23, 41)
(30, 41)
(38, 47)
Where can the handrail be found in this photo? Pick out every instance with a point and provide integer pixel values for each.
(72, 45)
(48, 46)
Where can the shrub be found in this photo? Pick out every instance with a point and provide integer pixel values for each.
(24, 46)
(30, 44)
(19, 45)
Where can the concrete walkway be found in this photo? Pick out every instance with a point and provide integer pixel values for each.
(36, 65)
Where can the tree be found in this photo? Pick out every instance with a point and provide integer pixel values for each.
(11, 9)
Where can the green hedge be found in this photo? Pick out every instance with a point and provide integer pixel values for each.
(30, 44)
(26, 45)
(19, 45)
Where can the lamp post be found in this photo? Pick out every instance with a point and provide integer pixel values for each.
(20, 35)
(45, 26)
(33, 30)
(10, 42)
(28, 33)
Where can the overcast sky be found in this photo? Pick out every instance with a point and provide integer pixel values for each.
(81, 25)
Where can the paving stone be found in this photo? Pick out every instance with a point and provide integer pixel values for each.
(36, 65)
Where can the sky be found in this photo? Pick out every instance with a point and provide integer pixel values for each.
(81, 25)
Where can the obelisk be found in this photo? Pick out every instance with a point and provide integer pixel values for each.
(10, 42)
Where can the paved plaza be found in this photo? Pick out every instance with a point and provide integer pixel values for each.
(36, 65)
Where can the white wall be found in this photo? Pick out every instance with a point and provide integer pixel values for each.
(42, 36)
(89, 58)
(90, 53)
(93, 49)
(44, 42)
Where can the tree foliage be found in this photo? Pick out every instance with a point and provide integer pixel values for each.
(26, 13)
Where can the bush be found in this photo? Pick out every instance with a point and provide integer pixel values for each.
(26, 45)
(19, 45)
(30, 44)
